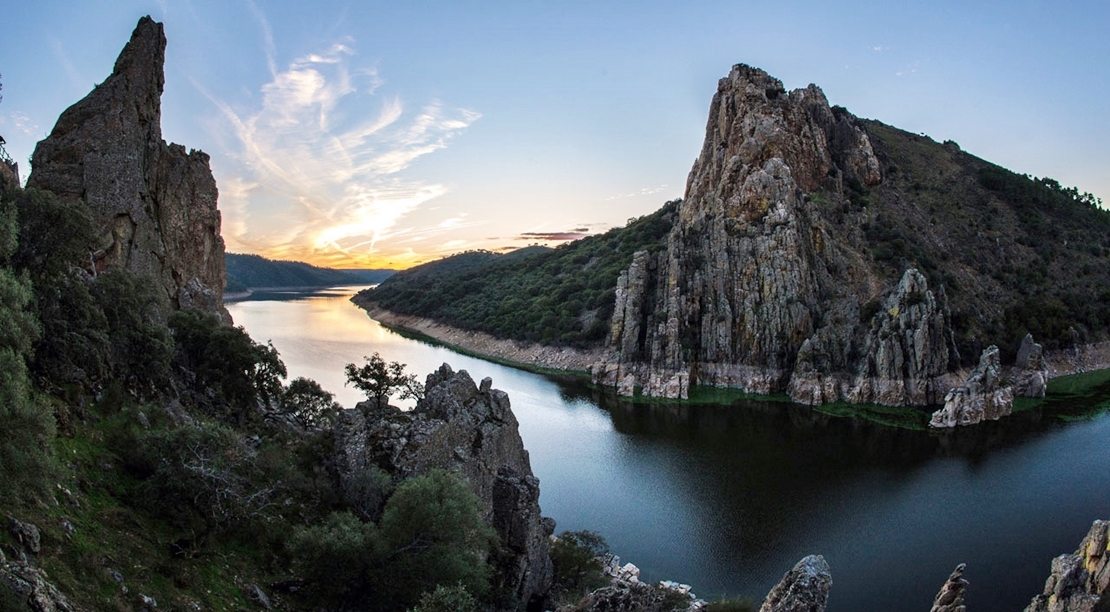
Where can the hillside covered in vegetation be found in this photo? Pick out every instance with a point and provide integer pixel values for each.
(561, 296)
(253, 271)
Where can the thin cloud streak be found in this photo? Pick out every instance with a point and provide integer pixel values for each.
(310, 181)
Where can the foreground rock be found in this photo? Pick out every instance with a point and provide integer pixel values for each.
(470, 430)
(951, 595)
(154, 204)
(803, 589)
(1079, 582)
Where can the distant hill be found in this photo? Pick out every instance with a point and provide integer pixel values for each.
(561, 296)
(252, 271)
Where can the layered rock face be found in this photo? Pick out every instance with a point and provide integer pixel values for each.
(154, 203)
(753, 290)
(1079, 582)
(471, 430)
(805, 588)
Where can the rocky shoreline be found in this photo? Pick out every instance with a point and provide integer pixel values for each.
(523, 354)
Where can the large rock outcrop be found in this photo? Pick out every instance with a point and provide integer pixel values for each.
(755, 290)
(951, 595)
(154, 203)
(1079, 582)
(471, 430)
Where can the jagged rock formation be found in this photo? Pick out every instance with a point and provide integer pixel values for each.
(982, 397)
(805, 588)
(32, 585)
(460, 427)
(951, 595)
(1079, 582)
(154, 204)
(1030, 375)
(754, 290)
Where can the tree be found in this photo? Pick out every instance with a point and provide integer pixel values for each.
(307, 402)
(379, 380)
(227, 369)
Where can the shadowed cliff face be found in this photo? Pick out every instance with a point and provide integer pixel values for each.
(154, 203)
(757, 289)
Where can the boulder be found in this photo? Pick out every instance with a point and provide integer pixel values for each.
(154, 204)
(460, 427)
(983, 397)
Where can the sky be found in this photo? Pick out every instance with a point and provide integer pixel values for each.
(387, 134)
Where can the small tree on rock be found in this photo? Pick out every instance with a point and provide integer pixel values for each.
(307, 402)
(379, 380)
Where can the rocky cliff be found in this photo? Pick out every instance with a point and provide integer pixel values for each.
(755, 290)
(840, 259)
(1079, 582)
(154, 203)
(461, 427)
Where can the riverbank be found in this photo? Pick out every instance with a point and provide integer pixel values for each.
(515, 353)
(238, 296)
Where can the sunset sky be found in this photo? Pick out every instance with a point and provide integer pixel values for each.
(385, 134)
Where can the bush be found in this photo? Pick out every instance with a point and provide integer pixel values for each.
(307, 402)
(447, 599)
(431, 534)
(228, 373)
(201, 477)
(577, 569)
(139, 341)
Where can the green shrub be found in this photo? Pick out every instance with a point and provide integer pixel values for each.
(577, 568)
(379, 380)
(139, 340)
(447, 599)
(307, 402)
(226, 371)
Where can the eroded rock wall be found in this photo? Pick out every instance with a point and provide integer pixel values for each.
(154, 203)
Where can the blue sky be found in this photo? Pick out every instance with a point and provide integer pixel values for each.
(388, 133)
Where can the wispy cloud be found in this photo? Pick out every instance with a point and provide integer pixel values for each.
(75, 78)
(878, 48)
(23, 123)
(318, 177)
(639, 192)
(559, 236)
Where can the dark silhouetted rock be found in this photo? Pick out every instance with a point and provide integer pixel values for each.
(154, 203)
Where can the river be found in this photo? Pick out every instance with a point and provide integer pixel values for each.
(728, 498)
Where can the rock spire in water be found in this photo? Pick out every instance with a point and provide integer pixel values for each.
(154, 203)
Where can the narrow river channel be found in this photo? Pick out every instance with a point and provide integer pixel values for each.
(727, 498)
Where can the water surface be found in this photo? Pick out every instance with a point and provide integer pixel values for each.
(728, 497)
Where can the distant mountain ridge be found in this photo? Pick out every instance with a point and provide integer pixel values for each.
(814, 253)
(246, 272)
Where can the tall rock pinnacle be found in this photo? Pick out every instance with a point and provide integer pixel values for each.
(154, 203)
(758, 288)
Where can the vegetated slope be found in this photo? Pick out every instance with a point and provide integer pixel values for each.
(561, 296)
(1014, 254)
(251, 271)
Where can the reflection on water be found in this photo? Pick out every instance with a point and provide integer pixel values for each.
(727, 498)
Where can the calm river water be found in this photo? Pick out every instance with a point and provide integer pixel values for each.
(728, 498)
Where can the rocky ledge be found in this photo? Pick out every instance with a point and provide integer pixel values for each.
(469, 429)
